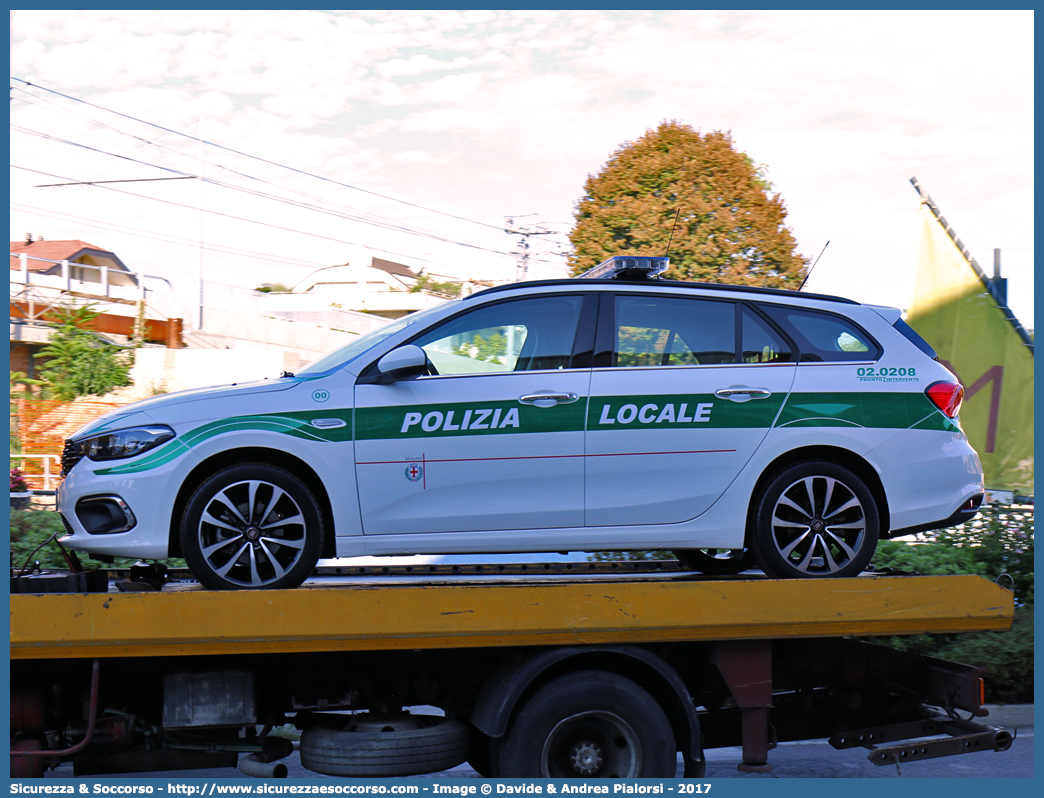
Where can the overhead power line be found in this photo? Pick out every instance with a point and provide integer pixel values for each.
(255, 157)
(362, 217)
(219, 213)
(388, 225)
(167, 238)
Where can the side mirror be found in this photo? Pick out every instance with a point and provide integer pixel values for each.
(403, 363)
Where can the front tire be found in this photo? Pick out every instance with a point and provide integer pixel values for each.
(815, 519)
(588, 724)
(252, 526)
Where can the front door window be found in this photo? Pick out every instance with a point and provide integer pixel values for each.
(492, 439)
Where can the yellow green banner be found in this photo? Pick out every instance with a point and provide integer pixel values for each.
(954, 310)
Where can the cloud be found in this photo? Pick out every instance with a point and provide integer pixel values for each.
(418, 156)
(418, 64)
(486, 113)
(453, 120)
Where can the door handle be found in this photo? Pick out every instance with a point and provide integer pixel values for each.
(548, 399)
(742, 394)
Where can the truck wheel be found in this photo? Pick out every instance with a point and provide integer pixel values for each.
(252, 526)
(403, 746)
(588, 724)
(815, 519)
(715, 561)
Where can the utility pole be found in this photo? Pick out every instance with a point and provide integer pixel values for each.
(202, 218)
(511, 227)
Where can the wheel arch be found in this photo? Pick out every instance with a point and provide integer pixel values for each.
(255, 454)
(832, 454)
(508, 686)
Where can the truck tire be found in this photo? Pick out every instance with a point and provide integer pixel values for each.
(715, 561)
(411, 745)
(588, 724)
(252, 526)
(815, 519)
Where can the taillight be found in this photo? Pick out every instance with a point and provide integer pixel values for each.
(947, 396)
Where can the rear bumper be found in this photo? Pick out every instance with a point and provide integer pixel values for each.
(966, 512)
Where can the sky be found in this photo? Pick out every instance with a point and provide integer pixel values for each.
(331, 136)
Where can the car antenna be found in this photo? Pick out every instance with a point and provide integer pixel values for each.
(669, 240)
(809, 272)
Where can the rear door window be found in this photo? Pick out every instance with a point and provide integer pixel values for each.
(670, 331)
(760, 343)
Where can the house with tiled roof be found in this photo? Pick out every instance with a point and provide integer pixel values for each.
(46, 275)
(86, 261)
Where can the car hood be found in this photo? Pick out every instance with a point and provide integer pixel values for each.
(150, 411)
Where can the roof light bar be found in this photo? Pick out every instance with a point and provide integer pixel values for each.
(628, 267)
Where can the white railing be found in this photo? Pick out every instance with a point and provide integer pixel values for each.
(78, 279)
(51, 467)
(37, 294)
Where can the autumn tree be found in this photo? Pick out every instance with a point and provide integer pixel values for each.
(730, 226)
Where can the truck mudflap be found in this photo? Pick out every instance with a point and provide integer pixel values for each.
(950, 735)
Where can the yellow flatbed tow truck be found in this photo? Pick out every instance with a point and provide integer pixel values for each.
(602, 674)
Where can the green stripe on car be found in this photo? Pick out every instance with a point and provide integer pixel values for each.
(659, 411)
(297, 424)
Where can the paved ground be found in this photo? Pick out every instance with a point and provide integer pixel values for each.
(806, 759)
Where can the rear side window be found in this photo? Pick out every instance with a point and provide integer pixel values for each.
(824, 337)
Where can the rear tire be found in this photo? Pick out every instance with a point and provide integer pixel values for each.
(588, 724)
(815, 519)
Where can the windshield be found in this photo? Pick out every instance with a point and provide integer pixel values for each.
(343, 355)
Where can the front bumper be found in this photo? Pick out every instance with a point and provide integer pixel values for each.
(120, 515)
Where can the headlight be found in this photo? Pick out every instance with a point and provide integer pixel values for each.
(122, 443)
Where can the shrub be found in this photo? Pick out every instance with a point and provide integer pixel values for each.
(999, 541)
(627, 556)
(31, 530)
(1007, 656)
(18, 483)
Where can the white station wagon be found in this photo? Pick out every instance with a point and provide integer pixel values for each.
(734, 426)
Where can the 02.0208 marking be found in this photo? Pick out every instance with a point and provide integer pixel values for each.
(886, 372)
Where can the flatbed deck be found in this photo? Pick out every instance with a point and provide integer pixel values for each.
(353, 613)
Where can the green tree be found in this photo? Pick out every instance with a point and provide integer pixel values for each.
(492, 349)
(268, 288)
(730, 227)
(80, 362)
(426, 283)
